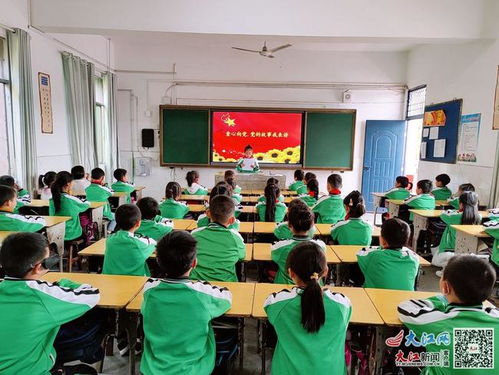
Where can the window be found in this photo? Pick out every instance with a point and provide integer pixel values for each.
(4, 109)
(415, 111)
(102, 134)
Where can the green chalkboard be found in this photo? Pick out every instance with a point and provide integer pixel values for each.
(184, 135)
(329, 139)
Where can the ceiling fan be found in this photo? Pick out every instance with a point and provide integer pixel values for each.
(265, 52)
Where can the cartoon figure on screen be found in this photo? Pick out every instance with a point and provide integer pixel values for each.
(248, 164)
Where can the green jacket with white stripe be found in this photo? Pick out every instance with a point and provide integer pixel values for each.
(100, 193)
(73, 207)
(283, 232)
(420, 202)
(124, 187)
(329, 209)
(441, 193)
(492, 229)
(155, 229)
(354, 231)
(20, 223)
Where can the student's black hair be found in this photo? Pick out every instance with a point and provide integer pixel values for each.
(119, 173)
(308, 176)
(97, 173)
(355, 203)
(7, 180)
(396, 233)
(335, 181)
(229, 178)
(469, 200)
(22, 251)
(126, 216)
(272, 192)
(222, 208)
(300, 217)
(273, 181)
(61, 179)
(403, 181)
(425, 185)
(248, 147)
(191, 176)
(175, 253)
(78, 172)
(299, 174)
(471, 277)
(7, 193)
(46, 179)
(466, 187)
(443, 178)
(313, 187)
(172, 190)
(149, 208)
(308, 262)
(222, 188)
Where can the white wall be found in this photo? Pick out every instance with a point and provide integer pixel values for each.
(469, 72)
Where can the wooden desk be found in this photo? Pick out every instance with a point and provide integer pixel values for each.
(246, 227)
(468, 238)
(116, 291)
(348, 254)
(197, 208)
(56, 231)
(261, 252)
(264, 227)
(248, 209)
(442, 203)
(45, 203)
(249, 199)
(138, 192)
(324, 229)
(394, 206)
(363, 310)
(202, 198)
(184, 224)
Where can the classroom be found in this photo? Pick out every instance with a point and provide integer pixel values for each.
(229, 187)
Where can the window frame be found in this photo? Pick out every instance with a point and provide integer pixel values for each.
(407, 117)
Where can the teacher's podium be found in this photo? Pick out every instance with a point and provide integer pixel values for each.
(253, 181)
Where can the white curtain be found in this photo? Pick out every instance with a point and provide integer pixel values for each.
(494, 189)
(79, 82)
(109, 83)
(23, 124)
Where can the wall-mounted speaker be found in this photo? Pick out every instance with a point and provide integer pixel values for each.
(147, 138)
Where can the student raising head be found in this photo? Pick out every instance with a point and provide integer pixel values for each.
(312, 193)
(221, 188)
(454, 201)
(424, 200)
(272, 209)
(308, 176)
(193, 187)
(298, 180)
(230, 178)
(152, 224)
(97, 191)
(391, 266)
(353, 230)
(23, 196)
(329, 209)
(401, 190)
(282, 230)
(300, 221)
(63, 203)
(13, 222)
(441, 192)
(171, 208)
(188, 346)
(45, 181)
(80, 180)
(122, 185)
(308, 317)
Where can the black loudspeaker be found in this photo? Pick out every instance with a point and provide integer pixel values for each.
(147, 138)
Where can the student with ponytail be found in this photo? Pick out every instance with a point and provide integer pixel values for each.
(454, 200)
(353, 230)
(193, 187)
(171, 208)
(312, 193)
(466, 215)
(45, 181)
(271, 209)
(308, 317)
(63, 203)
(271, 181)
(303, 188)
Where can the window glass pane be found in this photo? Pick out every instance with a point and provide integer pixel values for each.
(416, 102)
(4, 157)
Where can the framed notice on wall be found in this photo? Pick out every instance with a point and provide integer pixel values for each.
(45, 103)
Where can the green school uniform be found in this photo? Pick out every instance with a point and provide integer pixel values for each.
(353, 231)
(388, 268)
(301, 352)
(329, 209)
(244, 165)
(188, 346)
(126, 254)
(492, 229)
(397, 194)
(172, 209)
(302, 189)
(261, 198)
(463, 326)
(31, 313)
(23, 193)
(237, 198)
(73, 207)
(19, 203)
(280, 211)
(204, 220)
(448, 240)
(155, 229)
(99, 193)
(494, 214)
(195, 189)
(454, 202)
(421, 202)
(296, 185)
(441, 193)
(219, 249)
(283, 232)
(237, 190)
(309, 200)
(124, 187)
(19, 223)
(279, 253)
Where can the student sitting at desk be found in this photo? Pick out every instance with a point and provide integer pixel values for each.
(45, 181)
(454, 200)
(303, 189)
(126, 253)
(63, 203)
(283, 231)
(423, 200)
(98, 192)
(441, 192)
(271, 181)
(122, 185)
(401, 190)
(312, 193)
(311, 323)
(32, 311)
(248, 164)
(391, 266)
(353, 230)
(301, 219)
(152, 224)
(271, 209)
(188, 346)
(171, 208)
(221, 188)
(80, 180)
(298, 178)
(23, 196)
(193, 187)
(230, 178)
(492, 229)
(15, 222)
(329, 209)
(471, 330)
(219, 248)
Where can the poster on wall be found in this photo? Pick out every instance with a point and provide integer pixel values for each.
(434, 118)
(468, 138)
(45, 103)
(495, 122)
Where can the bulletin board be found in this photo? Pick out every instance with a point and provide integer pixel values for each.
(440, 132)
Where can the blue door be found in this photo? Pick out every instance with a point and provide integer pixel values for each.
(383, 155)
